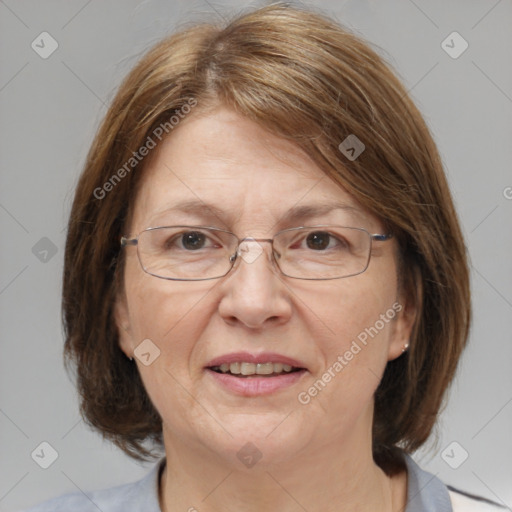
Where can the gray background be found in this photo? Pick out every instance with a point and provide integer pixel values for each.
(50, 109)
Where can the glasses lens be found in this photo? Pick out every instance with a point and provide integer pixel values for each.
(186, 252)
(322, 252)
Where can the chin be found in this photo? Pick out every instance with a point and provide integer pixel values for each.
(259, 440)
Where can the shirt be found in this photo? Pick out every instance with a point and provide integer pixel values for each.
(425, 493)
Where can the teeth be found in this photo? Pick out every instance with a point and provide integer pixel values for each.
(247, 368)
(264, 368)
(243, 368)
(234, 368)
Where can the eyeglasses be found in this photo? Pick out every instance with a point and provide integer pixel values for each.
(197, 253)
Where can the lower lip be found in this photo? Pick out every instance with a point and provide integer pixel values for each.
(255, 385)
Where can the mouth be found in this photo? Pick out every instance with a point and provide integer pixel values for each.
(245, 369)
(252, 375)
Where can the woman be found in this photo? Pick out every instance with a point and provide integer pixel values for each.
(265, 277)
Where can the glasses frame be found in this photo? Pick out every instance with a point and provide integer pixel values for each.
(377, 237)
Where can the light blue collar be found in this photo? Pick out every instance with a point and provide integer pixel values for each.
(425, 492)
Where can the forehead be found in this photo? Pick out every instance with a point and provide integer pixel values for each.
(225, 168)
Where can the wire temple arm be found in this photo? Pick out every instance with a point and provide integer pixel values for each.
(381, 238)
(128, 241)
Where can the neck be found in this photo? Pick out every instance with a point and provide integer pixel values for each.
(327, 479)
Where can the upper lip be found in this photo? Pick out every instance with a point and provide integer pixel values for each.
(247, 357)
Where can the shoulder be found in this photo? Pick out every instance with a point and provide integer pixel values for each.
(140, 496)
(463, 501)
(427, 493)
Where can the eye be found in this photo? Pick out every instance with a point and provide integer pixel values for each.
(189, 241)
(320, 240)
(193, 240)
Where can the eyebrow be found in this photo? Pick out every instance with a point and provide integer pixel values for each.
(300, 212)
(296, 213)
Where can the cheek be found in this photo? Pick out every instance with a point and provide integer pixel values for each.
(354, 328)
(171, 314)
(345, 309)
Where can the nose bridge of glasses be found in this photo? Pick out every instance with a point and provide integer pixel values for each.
(249, 248)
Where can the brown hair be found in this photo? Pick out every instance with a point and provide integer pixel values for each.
(303, 77)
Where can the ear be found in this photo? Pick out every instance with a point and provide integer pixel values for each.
(122, 319)
(403, 324)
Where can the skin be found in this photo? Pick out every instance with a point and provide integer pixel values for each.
(316, 456)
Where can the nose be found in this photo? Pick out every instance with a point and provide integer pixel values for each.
(253, 293)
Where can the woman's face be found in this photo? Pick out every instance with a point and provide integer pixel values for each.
(341, 332)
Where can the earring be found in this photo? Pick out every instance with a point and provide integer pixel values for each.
(405, 347)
